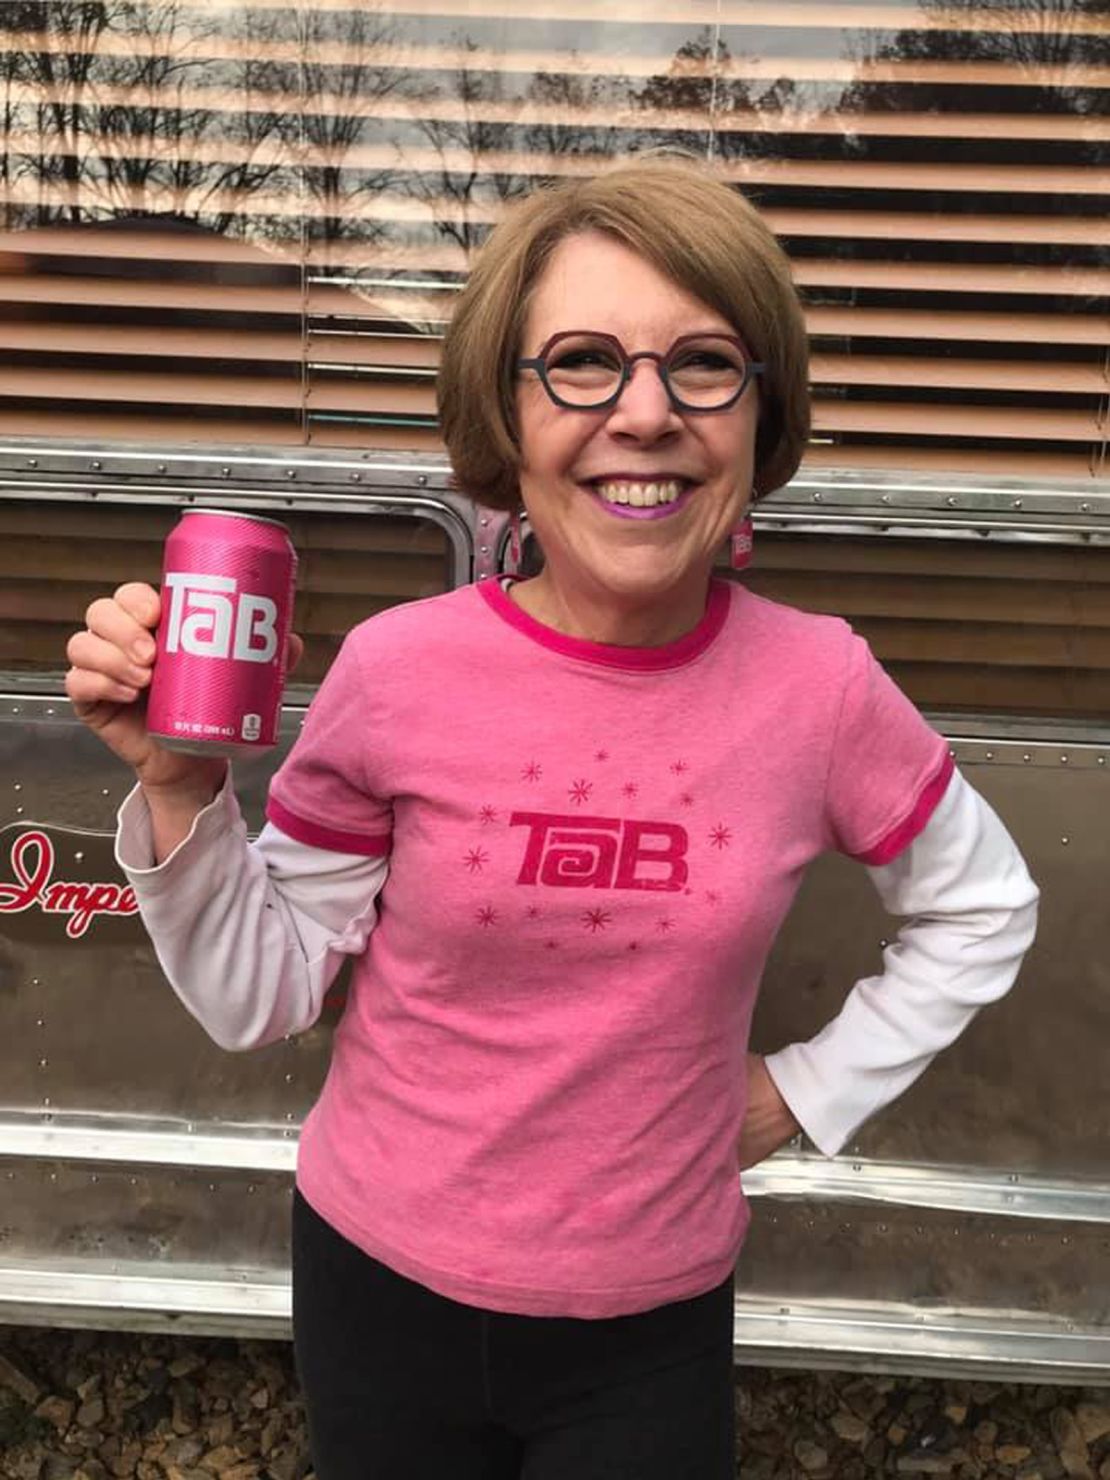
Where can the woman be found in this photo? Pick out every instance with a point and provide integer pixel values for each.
(559, 822)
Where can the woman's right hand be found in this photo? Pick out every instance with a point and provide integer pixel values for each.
(112, 663)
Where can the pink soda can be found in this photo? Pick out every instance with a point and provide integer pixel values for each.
(227, 608)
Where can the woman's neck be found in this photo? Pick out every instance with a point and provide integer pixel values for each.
(607, 619)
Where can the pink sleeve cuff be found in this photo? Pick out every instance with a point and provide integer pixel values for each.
(901, 836)
(317, 836)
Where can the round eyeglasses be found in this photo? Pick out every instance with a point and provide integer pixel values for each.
(586, 370)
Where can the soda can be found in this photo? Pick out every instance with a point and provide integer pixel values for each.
(227, 608)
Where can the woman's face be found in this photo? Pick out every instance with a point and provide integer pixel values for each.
(576, 465)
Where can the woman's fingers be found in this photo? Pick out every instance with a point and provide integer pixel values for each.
(99, 663)
(123, 621)
(141, 602)
(294, 653)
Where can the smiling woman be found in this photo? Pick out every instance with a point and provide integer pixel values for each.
(585, 802)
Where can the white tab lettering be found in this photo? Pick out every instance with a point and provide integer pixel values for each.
(256, 619)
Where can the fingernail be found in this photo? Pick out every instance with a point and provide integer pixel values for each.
(143, 650)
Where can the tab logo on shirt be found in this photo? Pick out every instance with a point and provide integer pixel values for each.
(208, 619)
(575, 852)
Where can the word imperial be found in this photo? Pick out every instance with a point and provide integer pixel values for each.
(209, 618)
(32, 861)
(578, 852)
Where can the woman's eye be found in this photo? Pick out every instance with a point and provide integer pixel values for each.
(703, 360)
(581, 359)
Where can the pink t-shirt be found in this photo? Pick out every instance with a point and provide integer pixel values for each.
(537, 1086)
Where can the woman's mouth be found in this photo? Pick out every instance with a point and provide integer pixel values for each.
(641, 499)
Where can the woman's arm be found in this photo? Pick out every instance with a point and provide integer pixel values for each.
(973, 911)
(250, 935)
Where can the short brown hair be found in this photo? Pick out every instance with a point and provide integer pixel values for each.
(692, 228)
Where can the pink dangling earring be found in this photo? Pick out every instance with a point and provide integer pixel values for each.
(514, 541)
(740, 544)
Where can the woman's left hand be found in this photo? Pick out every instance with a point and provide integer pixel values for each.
(769, 1122)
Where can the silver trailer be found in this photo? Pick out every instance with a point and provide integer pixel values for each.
(146, 1175)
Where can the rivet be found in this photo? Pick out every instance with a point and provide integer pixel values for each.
(32, 462)
(39, 1022)
(1064, 841)
(79, 857)
(885, 498)
(289, 1079)
(96, 467)
(356, 477)
(46, 1099)
(1101, 761)
(1027, 757)
(19, 811)
(104, 792)
(18, 786)
(289, 1115)
(1018, 503)
(421, 480)
(1084, 508)
(161, 468)
(225, 472)
(883, 944)
(483, 549)
(483, 521)
(35, 981)
(951, 501)
(817, 498)
(1063, 760)
(290, 472)
(44, 1063)
(990, 755)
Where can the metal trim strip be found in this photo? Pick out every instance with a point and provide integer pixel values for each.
(891, 1339)
(787, 1175)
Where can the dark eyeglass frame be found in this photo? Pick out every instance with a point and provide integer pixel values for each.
(538, 363)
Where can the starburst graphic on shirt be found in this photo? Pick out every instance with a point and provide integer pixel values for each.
(630, 790)
(720, 836)
(633, 945)
(487, 814)
(476, 860)
(580, 791)
(712, 897)
(665, 925)
(551, 945)
(686, 800)
(532, 771)
(487, 915)
(679, 768)
(595, 920)
(533, 912)
(601, 755)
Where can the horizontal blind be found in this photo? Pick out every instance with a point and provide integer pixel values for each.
(990, 629)
(56, 559)
(248, 222)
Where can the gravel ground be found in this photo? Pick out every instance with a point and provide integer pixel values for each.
(82, 1405)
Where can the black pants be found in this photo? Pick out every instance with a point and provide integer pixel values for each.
(403, 1384)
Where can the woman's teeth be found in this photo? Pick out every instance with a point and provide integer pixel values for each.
(641, 495)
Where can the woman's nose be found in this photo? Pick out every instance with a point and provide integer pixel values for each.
(644, 408)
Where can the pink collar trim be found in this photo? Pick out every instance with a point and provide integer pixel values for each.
(610, 655)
